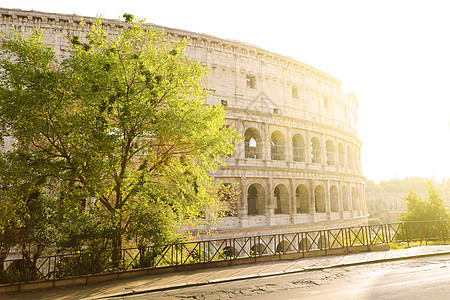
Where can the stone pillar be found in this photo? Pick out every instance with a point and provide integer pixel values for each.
(292, 203)
(340, 199)
(346, 169)
(312, 203)
(328, 199)
(350, 202)
(336, 151)
(307, 148)
(240, 147)
(270, 209)
(289, 156)
(243, 207)
(266, 142)
(323, 150)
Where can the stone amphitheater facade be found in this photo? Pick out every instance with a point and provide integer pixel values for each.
(299, 167)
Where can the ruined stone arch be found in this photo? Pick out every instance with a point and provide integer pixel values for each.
(302, 199)
(316, 151)
(277, 146)
(334, 199)
(319, 199)
(253, 143)
(255, 200)
(298, 148)
(281, 195)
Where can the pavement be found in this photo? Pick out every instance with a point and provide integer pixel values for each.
(161, 282)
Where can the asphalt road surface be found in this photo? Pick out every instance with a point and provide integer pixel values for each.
(417, 278)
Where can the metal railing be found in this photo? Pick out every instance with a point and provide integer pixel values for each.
(56, 267)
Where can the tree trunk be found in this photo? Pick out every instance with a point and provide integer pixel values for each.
(116, 250)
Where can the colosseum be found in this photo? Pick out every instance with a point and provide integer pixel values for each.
(299, 165)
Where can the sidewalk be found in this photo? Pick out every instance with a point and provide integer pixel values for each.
(202, 277)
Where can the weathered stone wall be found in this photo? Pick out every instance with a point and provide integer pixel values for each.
(299, 167)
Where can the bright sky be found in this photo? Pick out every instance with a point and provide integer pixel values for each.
(395, 55)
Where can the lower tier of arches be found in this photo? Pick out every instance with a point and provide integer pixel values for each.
(270, 196)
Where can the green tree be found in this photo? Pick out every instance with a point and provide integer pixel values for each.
(429, 208)
(25, 219)
(120, 124)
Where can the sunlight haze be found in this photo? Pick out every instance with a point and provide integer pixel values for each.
(394, 55)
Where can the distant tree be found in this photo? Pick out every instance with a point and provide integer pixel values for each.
(429, 208)
(118, 128)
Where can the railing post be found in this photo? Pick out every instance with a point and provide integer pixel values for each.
(280, 237)
(368, 239)
(345, 238)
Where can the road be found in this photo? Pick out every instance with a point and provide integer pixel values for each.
(418, 278)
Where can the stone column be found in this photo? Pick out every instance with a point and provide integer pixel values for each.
(293, 205)
(328, 199)
(266, 142)
(312, 204)
(240, 148)
(336, 151)
(350, 200)
(289, 156)
(323, 150)
(340, 199)
(307, 148)
(270, 209)
(243, 207)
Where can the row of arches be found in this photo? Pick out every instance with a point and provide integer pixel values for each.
(254, 148)
(305, 244)
(345, 200)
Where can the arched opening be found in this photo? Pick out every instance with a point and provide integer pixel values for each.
(229, 251)
(255, 200)
(315, 151)
(341, 155)
(345, 198)
(319, 198)
(258, 249)
(277, 146)
(282, 198)
(283, 247)
(253, 144)
(350, 157)
(298, 148)
(330, 153)
(334, 199)
(302, 199)
(305, 244)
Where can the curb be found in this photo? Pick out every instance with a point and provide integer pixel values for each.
(259, 275)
